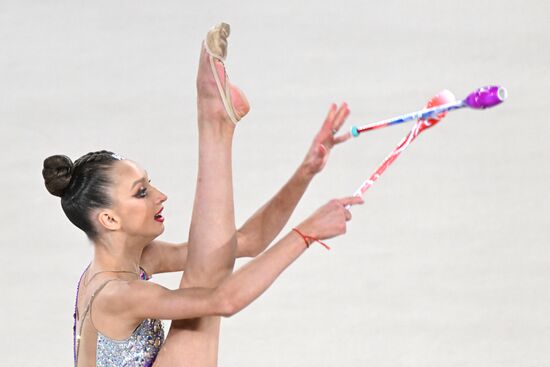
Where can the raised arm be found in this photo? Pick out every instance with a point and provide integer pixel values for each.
(148, 300)
(268, 221)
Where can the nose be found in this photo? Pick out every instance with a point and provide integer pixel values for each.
(161, 196)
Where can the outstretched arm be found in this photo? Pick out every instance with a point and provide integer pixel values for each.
(267, 222)
(148, 300)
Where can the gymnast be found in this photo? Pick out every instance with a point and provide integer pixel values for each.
(112, 199)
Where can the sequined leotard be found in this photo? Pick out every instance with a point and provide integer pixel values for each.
(138, 350)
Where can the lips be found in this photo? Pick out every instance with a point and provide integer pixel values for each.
(158, 216)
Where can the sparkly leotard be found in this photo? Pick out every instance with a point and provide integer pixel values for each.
(138, 350)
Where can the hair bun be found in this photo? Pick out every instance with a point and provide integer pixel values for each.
(57, 173)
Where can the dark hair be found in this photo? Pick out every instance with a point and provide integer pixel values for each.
(82, 185)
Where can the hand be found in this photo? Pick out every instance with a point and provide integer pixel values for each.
(326, 138)
(329, 220)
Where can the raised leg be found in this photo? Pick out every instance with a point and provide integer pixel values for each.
(212, 237)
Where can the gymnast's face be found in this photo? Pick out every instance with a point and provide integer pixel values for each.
(135, 202)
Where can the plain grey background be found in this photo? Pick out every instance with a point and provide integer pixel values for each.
(447, 263)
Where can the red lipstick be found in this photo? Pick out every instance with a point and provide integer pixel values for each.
(158, 216)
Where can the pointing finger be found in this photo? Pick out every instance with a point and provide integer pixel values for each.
(351, 200)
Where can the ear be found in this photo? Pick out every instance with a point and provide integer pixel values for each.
(108, 220)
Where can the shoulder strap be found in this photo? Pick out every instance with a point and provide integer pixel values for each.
(88, 308)
(75, 316)
(90, 302)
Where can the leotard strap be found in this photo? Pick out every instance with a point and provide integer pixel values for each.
(89, 309)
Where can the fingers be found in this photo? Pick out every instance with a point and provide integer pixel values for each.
(346, 204)
(341, 138)
(341, 116)
(327, 124)
(334, 121)
(351, 200)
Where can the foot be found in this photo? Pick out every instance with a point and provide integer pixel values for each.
(217, 98)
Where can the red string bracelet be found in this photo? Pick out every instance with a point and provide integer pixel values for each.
(307, 238)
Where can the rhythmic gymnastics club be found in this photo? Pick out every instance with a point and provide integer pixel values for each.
(443, 98)
(479, 99)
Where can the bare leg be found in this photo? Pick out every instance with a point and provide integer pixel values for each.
(212, 237)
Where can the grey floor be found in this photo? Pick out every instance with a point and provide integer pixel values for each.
(447, 264)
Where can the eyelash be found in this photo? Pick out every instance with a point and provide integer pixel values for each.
(142, 192)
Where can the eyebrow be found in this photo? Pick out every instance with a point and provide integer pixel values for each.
(140, 180)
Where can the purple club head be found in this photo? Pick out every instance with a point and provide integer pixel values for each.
(486, 97)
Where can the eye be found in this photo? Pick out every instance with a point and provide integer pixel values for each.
(142, 192)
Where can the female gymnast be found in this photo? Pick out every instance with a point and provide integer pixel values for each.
(117, 312)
